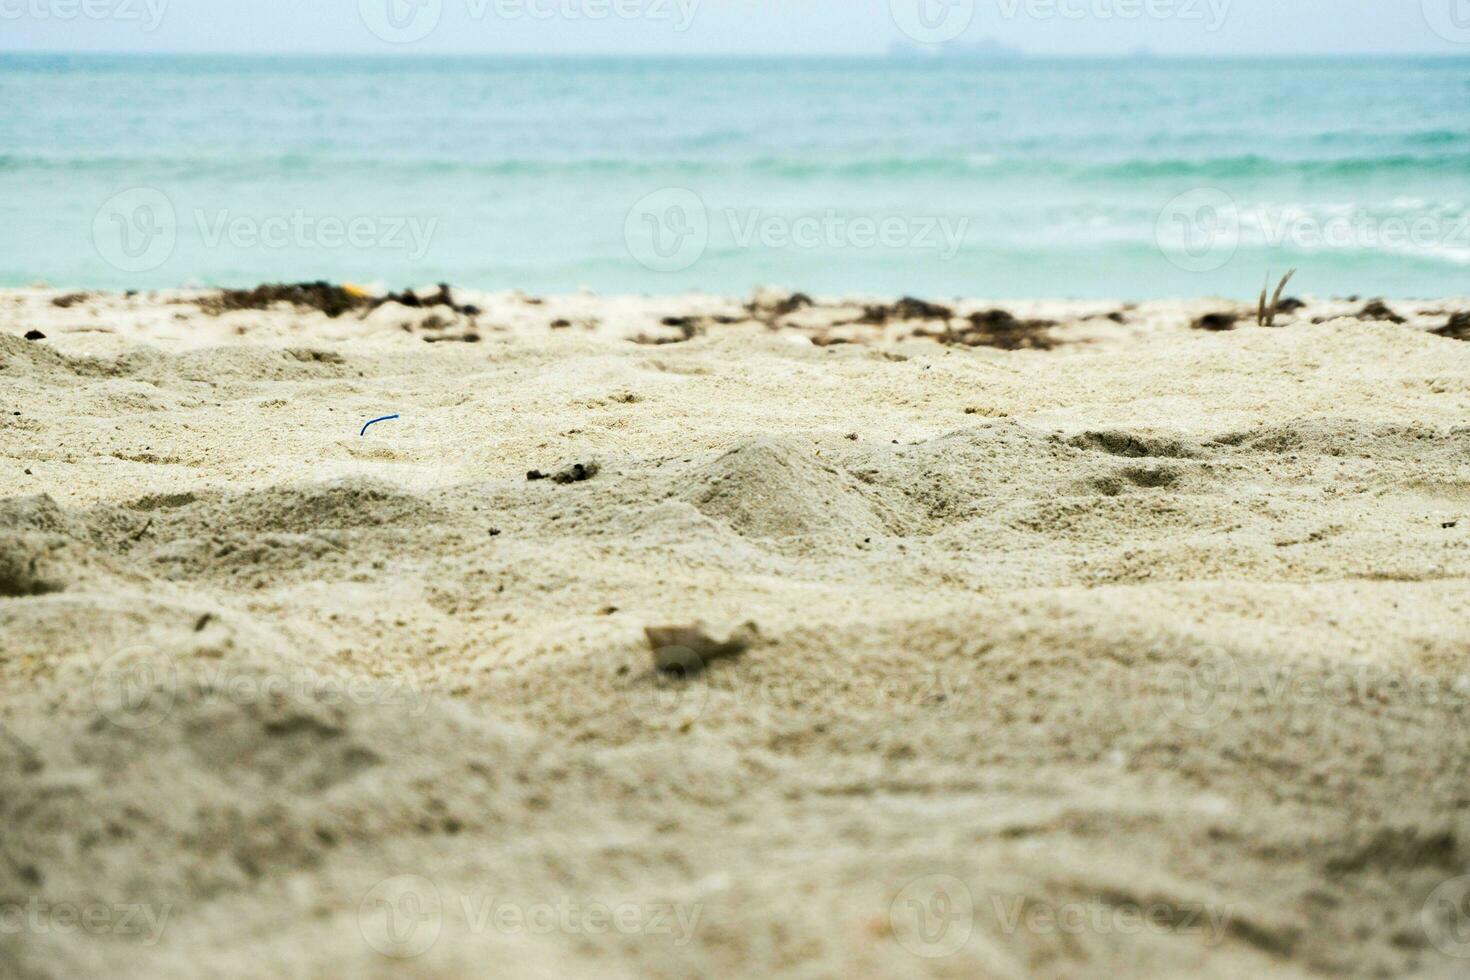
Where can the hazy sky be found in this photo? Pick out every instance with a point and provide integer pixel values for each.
(1233, 27)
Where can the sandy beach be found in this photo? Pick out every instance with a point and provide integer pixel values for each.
(1023, 639)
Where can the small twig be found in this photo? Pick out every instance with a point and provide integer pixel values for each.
(138, 535)
(1261, 306)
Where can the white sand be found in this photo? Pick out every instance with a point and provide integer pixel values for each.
(1148, 655)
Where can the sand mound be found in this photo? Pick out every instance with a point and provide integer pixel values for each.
(772, 488)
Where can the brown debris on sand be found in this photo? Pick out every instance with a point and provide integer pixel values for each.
(996, 328)
(575, 473)
(792, 303)
(1457, 329)
(412, 300)
(329, 298)
(689, 327)
(907, 308)
(688, 650)
(769, 305)
(1378, 310)
(1216, 321)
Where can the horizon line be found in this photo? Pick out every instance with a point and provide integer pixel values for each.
(914, 54)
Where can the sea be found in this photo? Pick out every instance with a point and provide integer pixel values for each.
(1132, 178)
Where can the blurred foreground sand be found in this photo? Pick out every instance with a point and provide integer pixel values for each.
(1143, 655)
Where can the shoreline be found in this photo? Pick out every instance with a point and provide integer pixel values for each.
(445, 313)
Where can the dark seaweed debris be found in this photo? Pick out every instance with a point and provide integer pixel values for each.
(575, 473)
(689, 327)
(907, 308)
(786, 305)
(996, 328)
(792, 303)
(1216, 321)
(331, 299)
(1378, 310)
(35, 335)
(442, 298)
(1457, 329)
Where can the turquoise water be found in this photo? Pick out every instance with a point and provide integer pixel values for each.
(942, 177)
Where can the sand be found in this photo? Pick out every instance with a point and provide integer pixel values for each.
(1141, 655)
